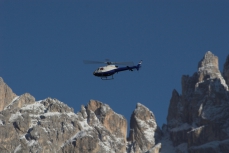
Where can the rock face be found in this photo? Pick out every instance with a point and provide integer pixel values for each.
(197, 121)
(226, 70)
(198, 118)
(6, 95)
(144, 132)
(51, 126)
(94, 133)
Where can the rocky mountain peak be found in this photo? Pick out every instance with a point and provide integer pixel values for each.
(198, 117)
(50, 125)
(197, 121)
(209, 60)
(143, 113)
(113, 122)
(144, 132)
(6, 95)
(208, 70)
(208, 67)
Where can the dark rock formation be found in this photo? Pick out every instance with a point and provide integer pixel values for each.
(226, 70)
(199, 116)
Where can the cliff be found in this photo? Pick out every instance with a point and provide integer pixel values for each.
(197, 121)
(198, 117)
(48, 125)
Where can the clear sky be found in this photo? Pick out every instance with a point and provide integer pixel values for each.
(43, 45)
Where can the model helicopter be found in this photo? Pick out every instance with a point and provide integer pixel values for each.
(107, 72)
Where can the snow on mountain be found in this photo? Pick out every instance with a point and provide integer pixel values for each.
(203, 119)
(197, 121)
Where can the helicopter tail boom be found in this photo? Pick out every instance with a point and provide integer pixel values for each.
(130, 68)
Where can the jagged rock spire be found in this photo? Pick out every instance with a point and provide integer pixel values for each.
(6, 94)
(144, 133)
(200, 114)
(209, 60)
(114, 122)
(173, 116)
(208, 67)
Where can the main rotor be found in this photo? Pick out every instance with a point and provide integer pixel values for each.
(108, 62)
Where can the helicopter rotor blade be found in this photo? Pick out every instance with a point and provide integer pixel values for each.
(123, 63)
(108, 62)
(93, 62)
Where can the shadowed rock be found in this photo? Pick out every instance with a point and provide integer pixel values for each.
(200, 115)
(226, 70)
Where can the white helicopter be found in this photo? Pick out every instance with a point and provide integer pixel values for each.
(107, 72)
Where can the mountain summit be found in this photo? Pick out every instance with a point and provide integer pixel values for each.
(29, 126)
(198, 118)
(197, 121)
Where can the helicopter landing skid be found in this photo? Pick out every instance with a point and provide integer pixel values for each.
(105, 78)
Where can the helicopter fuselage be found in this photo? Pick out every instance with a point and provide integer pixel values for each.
(105, 71)
(110, 70)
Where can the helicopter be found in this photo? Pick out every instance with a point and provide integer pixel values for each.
(107, 72)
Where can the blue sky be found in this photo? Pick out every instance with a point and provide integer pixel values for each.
(43, 45)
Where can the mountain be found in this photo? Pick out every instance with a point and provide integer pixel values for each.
(197, 121)
(198, 118)
(51, 126)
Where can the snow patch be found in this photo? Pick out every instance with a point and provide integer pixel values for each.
(79, 134)
(105, 108)
(1, 122)
(31, 143)
(85, 125)
(14, 100)
(184, 126)
(14, 117)
(200, 109)
(36, 107)
(52, 114)
(148, 130)
(106, 147)
(70, 114)
(45, 130)
(206, 67)
(18, 148)
(194, 129)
